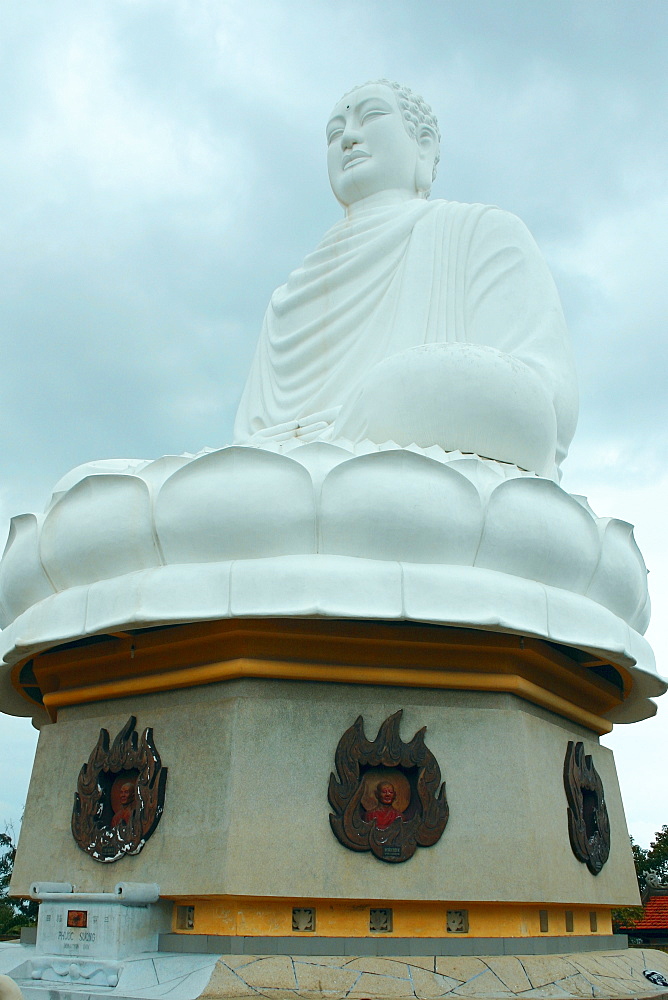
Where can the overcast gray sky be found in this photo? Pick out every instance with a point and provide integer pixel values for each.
(163, 169)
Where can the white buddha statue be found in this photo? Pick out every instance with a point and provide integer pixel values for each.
(434, 323)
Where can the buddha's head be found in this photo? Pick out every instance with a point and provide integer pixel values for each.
(381, 137)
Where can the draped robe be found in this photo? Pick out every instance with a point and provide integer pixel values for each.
(393, 278)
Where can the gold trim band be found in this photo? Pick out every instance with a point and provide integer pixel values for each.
(578, 687)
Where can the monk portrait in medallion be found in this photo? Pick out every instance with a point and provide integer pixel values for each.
(384, 813)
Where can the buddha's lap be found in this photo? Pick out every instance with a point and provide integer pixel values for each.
(462, 397)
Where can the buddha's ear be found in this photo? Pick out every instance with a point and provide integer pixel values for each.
(427, 143)
(426, 138)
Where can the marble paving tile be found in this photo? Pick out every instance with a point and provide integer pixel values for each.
(484, 984)
(322, 977)
(17, 971)
(622, 965)
(335, 961)
(226, 983)
(600, 976)
(276, 972)
(138, 975)
(542, 970)
(172, 967)
(238, 961)
(327, 994)
(510, 971)
(12, 957)
(383, 987)
(633, 959)
(462, 968)
(609, 988)
(419, 962)
(278, 994)
(182, 988)
(660, 958)
(167, 985)
(150, 992)
(428, 984)
(598, 965)
(194, 984)
(627, 986)
(380, 967)
(578, 985)
(550, 992)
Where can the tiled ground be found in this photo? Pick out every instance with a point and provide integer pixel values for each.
(177, 977)
(603, 975)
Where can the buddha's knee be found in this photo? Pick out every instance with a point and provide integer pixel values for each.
(462, 397)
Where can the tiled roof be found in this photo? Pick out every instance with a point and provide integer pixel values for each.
(655, 915)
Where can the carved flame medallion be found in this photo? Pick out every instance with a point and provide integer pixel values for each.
(387, 795)
(588, 823)
(120, 795)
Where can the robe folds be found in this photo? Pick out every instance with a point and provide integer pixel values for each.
(393, 278)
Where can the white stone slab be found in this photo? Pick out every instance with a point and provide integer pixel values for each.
(112, 930)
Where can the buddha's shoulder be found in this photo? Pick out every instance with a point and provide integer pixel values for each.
(475, 212)
(483, 223)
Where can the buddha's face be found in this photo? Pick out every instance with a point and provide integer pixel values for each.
(369, 149)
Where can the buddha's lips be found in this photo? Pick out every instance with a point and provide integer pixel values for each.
(350, 158)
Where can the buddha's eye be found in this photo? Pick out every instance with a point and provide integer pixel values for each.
(334, 134)
(370, 115)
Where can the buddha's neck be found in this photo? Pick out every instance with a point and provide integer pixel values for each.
(383, 199)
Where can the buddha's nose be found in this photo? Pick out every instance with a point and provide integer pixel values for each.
(349, 138)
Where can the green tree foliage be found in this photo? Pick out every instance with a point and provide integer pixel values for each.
(7, 855)
(14, 913)
(656, 858)
(646, 860)
(652, 859)
(624, 918)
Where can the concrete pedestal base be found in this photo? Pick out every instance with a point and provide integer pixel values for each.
(244, 847)
(246, 814)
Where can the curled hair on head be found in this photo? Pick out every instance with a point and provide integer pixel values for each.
(414, 111)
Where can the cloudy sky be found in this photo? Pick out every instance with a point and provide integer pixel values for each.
(163, 168)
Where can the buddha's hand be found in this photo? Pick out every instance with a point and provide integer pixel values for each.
(309, 428)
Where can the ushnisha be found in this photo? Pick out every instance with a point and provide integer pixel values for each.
(416, 322)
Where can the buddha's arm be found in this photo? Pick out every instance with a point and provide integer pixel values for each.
(501, 382)
(511, 303)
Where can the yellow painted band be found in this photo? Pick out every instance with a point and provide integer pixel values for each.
(244, 667)
(271, 917)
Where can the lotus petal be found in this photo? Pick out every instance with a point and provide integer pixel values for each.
(640, 620)
(23, 581)
(536, 530)
(102, 467)
(99, 529)
(155, 473)
(399, 505)
(319, 458)
(237, 503)
(620, 579)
